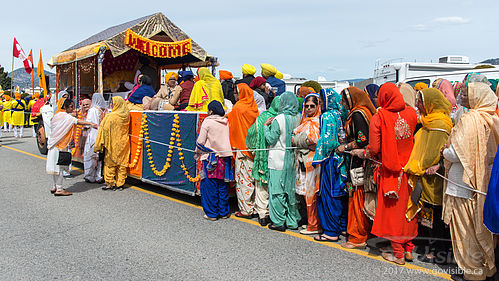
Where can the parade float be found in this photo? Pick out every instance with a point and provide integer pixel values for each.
(161, 141)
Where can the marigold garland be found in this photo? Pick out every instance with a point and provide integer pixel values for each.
(138, 151)
(79, 129)
(175, 137)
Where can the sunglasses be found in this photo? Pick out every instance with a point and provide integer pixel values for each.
(310, 106)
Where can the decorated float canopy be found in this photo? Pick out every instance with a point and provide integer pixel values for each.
(154, 36)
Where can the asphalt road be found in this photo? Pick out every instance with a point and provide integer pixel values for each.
(147, 233)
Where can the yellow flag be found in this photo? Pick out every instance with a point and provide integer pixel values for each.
(41, 75)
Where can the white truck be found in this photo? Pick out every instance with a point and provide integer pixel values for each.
(452, 68)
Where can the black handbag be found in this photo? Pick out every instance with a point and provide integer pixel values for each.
(64, 158)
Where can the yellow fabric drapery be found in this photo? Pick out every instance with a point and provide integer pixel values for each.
(113, 134)
(428, 143)
(207, 89)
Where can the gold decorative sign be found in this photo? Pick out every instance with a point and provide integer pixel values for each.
(156, 48)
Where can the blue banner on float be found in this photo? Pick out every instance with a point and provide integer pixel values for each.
(160, 130)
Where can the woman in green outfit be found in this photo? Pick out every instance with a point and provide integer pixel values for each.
(256, 140)
(282, 164)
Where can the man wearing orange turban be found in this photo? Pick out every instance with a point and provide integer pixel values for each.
(18, 108)
(227, 85)
(164, 94)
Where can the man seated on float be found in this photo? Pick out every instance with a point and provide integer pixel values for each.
(182, 92)
(162, 98)
(134, 102)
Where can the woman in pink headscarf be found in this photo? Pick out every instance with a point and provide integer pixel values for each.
(448, 90)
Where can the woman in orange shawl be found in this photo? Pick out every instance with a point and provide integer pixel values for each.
(305, 138)
(242, 116)
(63, 124)
(360, 113)
(390, 139)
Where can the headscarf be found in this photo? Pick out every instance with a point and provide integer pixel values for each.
(476, 136)
(372, 91)
(248, 69)
(305, 91)
(257, 82)
(242, 116)
(428, 142)
(61, 94)
(288, 106)
(169, 75)
(447, 90)
(493, 85)
(208, 88)
(391, 103)
(217, 108)
(113, 133)
(98, 101)
(331, 123)
(475, 77)
(268, 69)
(59, 108)
(409, 94)
(309, 124)
(420, 86)
(279, 75)
(313, 84)
(225, 75)
(358, 101)
(260, 102)
(255, 139)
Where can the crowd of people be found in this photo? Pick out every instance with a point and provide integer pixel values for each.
(391, 161)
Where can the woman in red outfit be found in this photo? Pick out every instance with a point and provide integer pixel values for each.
(391, 140)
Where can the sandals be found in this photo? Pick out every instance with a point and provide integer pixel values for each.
(107, 187)
(63, 192)
(323, 238)
(350, 245)
(53, 190)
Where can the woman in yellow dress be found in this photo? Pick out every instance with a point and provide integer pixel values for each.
(207, 89)
(7, 105)
(18, 109)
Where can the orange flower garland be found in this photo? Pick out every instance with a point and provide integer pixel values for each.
(175, 136)
(139, 144)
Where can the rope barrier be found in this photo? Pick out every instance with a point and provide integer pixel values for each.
(443, 177)
(193, 151)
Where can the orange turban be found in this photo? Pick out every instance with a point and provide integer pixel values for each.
(420, 86)
(225, 75)
(6, 97)
(169, 75)
(36, 95)
(17, 96)
(304, 91)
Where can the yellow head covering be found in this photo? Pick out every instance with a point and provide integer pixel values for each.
(279, 75)
(169, 75)
(420, 86)
(428, 142)
(268, 69)
(248, 69)
(207, 89)
(113, 134)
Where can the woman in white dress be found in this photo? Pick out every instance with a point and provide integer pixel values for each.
(91, 163)
(62, 128)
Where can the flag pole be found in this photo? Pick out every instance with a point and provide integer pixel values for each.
(12, 78)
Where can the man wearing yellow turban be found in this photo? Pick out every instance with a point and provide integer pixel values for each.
(269, 72)
(248, 74)
(18, 108)
(7, 105)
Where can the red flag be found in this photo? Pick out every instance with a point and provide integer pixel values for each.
(19, 53)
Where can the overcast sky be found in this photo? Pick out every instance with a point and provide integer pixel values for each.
(335, 39)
